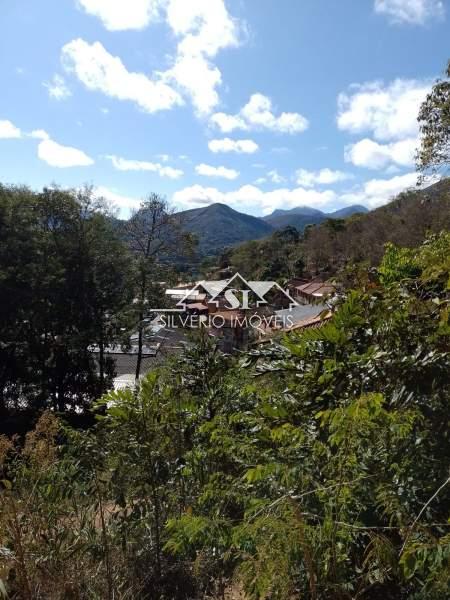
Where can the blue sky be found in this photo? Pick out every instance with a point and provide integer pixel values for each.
(254, 103)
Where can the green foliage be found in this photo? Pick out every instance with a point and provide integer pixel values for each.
(315, 469)
(63, 284)
(338, 246)
(275, 257)
(434, 119)
(397, 264)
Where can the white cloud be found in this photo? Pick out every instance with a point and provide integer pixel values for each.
(123, 164)
(199, 79)
(56, 155)
(117, 15)
(412, 12)
(8, 130)
(372, 155)
(100, 71)
(228, 123)
(377, 192)
(250, 198)
(228, 145)
(309, 179)
(124, 203)
(57, 88)
(258, 114)
(275, 177)
(204, 27)
(39, 134)
(210, 171)
(389, 112)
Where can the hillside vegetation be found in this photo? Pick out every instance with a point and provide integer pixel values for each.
(315, 469)
(334, 245)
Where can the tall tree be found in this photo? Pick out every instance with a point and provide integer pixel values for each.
(63, 281)
(155, 235)
(434, 119)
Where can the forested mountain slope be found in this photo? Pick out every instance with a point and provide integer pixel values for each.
(218, 226)
(332, 245)
(404, 221)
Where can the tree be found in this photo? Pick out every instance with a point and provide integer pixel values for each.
(63, 285)
(434, 119)
(155, 235)
(333, 481)
(316, 467)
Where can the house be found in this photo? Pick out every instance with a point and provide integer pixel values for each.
(228, 328)
(312, 291)
(310, 322)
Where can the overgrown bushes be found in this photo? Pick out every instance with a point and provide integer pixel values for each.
(318, 468)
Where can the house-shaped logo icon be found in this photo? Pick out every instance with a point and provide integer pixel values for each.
(235, 293)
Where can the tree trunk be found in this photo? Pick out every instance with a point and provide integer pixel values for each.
(140, 344)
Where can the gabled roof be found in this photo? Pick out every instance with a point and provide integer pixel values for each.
(315, 288)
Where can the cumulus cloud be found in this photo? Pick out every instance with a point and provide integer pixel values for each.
(118, 15)
(389, 111)
(210, 171)
(8, 130)
(309, 179)
(202, 28)
(100, 71)
(250, 198)
(372, 155)
(39, 134)
(123, 164)
(258, 114)
(199, 79)
(57, 88)
(275, 177)
(229, 145)
(57, 155)
(377, 192)
(124, 203)
(412, 12)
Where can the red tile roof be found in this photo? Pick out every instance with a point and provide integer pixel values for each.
(310, 322)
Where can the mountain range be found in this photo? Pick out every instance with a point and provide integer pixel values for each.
(218, 226)
(301, 216)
